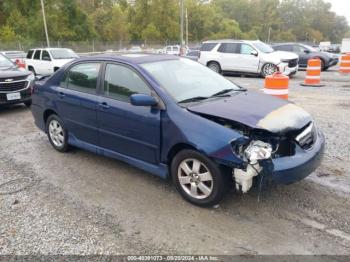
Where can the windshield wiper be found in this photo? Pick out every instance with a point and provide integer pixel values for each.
(226, 91)
(193, 99)
(222, 92)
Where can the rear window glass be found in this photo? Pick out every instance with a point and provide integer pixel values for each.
(232, 48)
(208, 46)
(37, 54)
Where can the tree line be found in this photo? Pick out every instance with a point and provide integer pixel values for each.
(159, 20)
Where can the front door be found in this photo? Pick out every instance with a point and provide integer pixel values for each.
(130, 130)
(248, 61)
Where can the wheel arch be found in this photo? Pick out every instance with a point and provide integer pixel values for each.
(48, 113)
(213, 61)
(176, 149)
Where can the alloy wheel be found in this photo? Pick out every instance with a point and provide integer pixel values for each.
(56, 133)
(195, 178)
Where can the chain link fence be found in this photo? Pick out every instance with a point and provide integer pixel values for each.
(93, 46)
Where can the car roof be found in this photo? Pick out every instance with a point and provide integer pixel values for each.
(140, 58)
(230, 41)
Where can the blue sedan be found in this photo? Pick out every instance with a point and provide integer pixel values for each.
(176, 118)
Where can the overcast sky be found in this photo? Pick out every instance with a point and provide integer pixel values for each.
(341, 7)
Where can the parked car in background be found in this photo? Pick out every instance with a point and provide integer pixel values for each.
(254, 57)
(15, 83)
(345, 45)
(335, 48)
(16, 56)
(192, 54)
(172, 50)
(306, 52)
(135, 49)
(176, 118)
(45, 61)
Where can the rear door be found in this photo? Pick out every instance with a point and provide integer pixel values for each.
(77, 101)
(229, 56)
(130, 130)
(36, 62)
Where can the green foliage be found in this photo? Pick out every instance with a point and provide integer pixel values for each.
(158, 20)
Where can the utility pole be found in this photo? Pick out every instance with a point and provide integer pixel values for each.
(45, 25)
(269, 35)
(182, 23)
(186, 27)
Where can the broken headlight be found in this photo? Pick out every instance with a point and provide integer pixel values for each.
(258, 150)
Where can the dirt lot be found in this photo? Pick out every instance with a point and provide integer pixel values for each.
(80, 203)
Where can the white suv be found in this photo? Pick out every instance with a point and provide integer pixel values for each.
(46, 61)
(253, 57)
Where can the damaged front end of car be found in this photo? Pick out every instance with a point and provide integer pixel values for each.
(266, 143)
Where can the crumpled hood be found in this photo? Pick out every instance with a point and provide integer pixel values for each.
(257, 111)
(283, 55)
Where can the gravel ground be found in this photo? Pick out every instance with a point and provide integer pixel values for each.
(81, 203)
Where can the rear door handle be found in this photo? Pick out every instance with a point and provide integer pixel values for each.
(61, 94)
(104, 105)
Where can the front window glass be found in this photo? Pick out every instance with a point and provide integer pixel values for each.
(63, 54)
(262, 47)
(45, 56)
(185, 79)
(5, 62)
(246, 49)
(122, 82)
(83, 77)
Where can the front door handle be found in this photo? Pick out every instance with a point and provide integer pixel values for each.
(104, 105)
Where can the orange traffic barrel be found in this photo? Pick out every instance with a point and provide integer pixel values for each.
(313, 73)
(277, 85)
(345, 63)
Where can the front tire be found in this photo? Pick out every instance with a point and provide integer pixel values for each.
(57, 133)
(198, 179)
(268, 69)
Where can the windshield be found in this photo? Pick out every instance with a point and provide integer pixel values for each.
(262, 47)
(184, 79)
(63, 54)
(5, 62)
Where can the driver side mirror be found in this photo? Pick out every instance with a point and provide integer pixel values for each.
(254, 53)
(143, 100)
(306, 51)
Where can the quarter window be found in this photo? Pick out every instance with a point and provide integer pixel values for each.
(30, 54)
(37, 55)
(121, 82)
(208, 46)
(83, 77)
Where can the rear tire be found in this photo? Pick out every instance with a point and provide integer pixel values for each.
(198, 179)
(215, 66)
(57, 133)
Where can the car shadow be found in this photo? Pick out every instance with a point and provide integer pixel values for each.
(10, 109)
